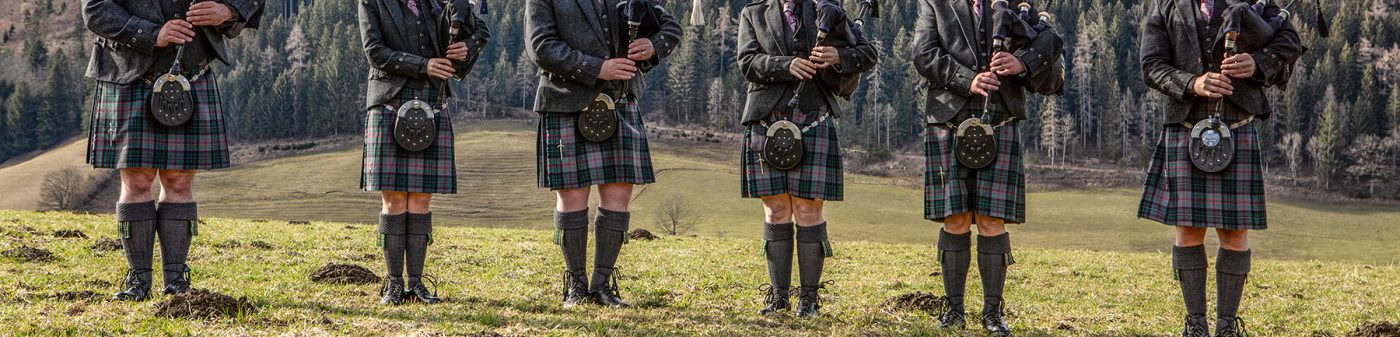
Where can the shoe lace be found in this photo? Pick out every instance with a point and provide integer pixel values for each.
(1195, 330)
(812, 295)
(613, 289)
(388, 287)
(431, 280)
(770, 294)
(184, 277)
(996, 315)
(130, 278)
(570, 282)
(1239, 330)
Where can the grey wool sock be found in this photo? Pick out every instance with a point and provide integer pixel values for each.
(391, 238)
(955, 258)
(777, 249)
(1190, 266)
(572, 236)
(812, 251)
(610, 231)
(993, 256)
(420, 235)
(136, 224)
(1231, 270)
(177, 224)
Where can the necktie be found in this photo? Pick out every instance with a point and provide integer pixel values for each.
(413, 6)
(977, 8)
(1207, 8)
(788, 11)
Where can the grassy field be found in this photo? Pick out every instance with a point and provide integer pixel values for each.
(504, 281)
(496, 171)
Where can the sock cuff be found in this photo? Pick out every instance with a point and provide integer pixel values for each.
(1189, 258)
(1000, 244)
(954, 242)
(177, 211)
(811, 234)
(571, 220)
(612, 220)
(136, 211)
(419, 224)
(778, 231)
(392, 224)
(1233, 262)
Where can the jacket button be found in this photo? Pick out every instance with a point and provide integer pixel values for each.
(140, 31)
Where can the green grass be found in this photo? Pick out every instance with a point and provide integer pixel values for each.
(496, 173)
(506, 281)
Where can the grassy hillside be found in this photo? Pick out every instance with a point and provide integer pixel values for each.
(496, 171)
(21, 178)
(503, 281)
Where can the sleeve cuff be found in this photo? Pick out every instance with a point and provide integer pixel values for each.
(662, 47)
(1266, 65)
(242, 9)
(586, 72)
(139, 34)
(961, 81)
(778, 69)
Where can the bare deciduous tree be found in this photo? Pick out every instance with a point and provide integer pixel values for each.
(676, 215)
(64, 189)
(1292, 146)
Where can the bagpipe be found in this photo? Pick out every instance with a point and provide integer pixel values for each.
(784, 149)
(1247, 27)
(598, 121)
(975, 144)
(415, 122)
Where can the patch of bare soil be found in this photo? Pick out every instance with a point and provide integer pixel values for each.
(76, 295)
(641, 234)
(485, 334)
(200, 303)
(261, 245)
(344, 274)
(106, 245)
(69, 233)
(918, 301)
(1377, 329)
(228, 244)
(29, 254)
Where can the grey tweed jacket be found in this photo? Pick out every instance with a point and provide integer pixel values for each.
(126, 30)
(568, 41)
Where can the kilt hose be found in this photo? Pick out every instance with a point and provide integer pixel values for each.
(388, 167)
(998, 190)
(564, 160)
(123, 134)
(1176, 193)
(818, 177)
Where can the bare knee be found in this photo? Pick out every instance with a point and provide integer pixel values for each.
(572, 200)
(958, 223)
(418, 202)
(777, 210)
(1190, 236)
(990, 226)
(136, 184)
(615, 197)
(1237, 240)
(807, 212)
(177, 185)
(394, 202)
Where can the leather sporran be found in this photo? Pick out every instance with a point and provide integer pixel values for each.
(784, 149)
(598, 121)
(975, 144)
(415, 125)
(171, 102)
(1212, 145)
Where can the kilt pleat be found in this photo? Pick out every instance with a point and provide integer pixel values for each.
(388, 167)
(564, 160)
(998, 190)
(123, 134)
(818, 177)
(1176, 193)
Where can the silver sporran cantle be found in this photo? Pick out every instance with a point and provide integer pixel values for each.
(415, 125)
(598, 121)
(1212, 145)
(975, 144)
(784, 149)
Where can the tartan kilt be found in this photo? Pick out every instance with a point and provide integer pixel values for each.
(388, 167)
(998, 190)
(123, 133)
(1176, 193)
(564, 160)
(818, 177)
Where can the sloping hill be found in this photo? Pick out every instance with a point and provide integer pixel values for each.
(20, 181)
(504, 281)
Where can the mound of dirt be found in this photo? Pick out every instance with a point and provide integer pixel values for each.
(29, 254)
(917, 301)
(485, 334)
(228, 244)
(76, 295)
(200, 303)
(106, 245)
(641, 234)
(260, 244)
(344, 274)
(69, 233)
(1376, 329)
